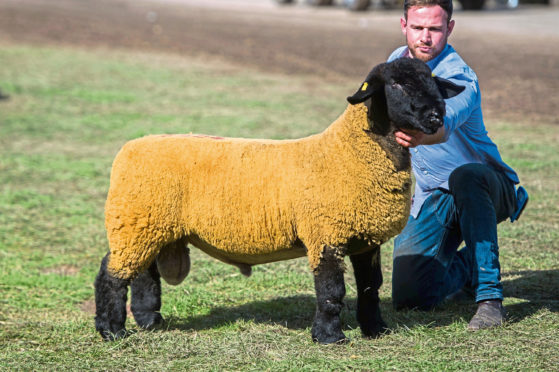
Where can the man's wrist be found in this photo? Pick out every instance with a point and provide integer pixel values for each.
(433, 139)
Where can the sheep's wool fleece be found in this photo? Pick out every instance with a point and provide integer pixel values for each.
(249, 201)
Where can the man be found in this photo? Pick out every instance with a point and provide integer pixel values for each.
(463, 187)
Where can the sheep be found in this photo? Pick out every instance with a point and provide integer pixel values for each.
(339, 193)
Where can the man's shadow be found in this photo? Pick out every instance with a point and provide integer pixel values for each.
(539, 289)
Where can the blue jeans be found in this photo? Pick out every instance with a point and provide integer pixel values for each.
(427, 263)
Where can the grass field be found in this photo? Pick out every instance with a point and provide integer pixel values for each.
(70, 111)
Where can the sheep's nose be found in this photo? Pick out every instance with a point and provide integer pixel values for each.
(435, 120)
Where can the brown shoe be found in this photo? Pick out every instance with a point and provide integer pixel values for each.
(490, 313)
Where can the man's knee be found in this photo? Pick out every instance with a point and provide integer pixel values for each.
(468, 177)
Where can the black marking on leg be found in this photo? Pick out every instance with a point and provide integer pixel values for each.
(146, 298)
(110, 303)
(368, 276)
(330, 291)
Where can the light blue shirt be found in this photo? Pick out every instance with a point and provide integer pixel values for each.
(466, 139)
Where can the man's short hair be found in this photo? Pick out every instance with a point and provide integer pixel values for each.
(445, 4)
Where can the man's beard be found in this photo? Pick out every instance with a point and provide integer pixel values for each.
(421, 56)
(418, 55)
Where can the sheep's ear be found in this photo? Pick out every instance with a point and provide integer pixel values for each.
(373, 83)
(447, 88)
(365, 92)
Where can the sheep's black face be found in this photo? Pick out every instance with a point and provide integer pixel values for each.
(405, 95)
(413, 98)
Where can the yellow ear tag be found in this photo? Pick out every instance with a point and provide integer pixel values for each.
(364, 87)
(432, 74)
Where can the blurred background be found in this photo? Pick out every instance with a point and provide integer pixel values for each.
(509, 45)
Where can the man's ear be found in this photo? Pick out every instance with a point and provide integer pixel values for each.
(450, 27)
(447, 88)
(373, 83)
(403, 24)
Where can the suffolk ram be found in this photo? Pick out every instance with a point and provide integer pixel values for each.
(339, 193)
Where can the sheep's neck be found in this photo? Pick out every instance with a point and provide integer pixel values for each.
(382, 131)
(351, 125)
(398, 154)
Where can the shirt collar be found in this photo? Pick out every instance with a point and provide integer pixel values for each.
(435, 61)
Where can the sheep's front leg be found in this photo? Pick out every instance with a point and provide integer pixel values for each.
(330, 291)
(146, 298)
(110, 303)
(368, 276)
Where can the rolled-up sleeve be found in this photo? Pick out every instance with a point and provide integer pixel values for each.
(460, 107)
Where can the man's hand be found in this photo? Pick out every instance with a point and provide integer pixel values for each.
(411, 137)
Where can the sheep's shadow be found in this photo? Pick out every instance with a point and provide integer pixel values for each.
(293, 312)
(538, 288)
(297, 312)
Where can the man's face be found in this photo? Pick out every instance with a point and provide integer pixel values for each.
(426, 31)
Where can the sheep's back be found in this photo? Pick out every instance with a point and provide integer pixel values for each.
(230, 194)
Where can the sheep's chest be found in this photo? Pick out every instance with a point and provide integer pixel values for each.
(386, 208)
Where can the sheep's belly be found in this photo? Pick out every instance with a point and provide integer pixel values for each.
(234, 258)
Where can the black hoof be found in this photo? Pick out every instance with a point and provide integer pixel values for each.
(148, 320)
(375, 330)
(113, 336)
(327, 340)
(328, 333)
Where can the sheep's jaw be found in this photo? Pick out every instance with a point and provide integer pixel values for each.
(429, 125)
(433, 127)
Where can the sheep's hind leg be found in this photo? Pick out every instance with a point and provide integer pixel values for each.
(330, 291)
(368, 277)
(110, 303)
(146, 298)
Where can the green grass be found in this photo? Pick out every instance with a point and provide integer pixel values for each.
(71, 110)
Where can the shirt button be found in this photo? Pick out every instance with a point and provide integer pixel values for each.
(415, 150)
(425, 172)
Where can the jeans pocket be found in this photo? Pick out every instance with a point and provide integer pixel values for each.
(444, 208)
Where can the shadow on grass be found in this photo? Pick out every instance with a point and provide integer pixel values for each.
(294, 312)
(539, 288)
(297, 312)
